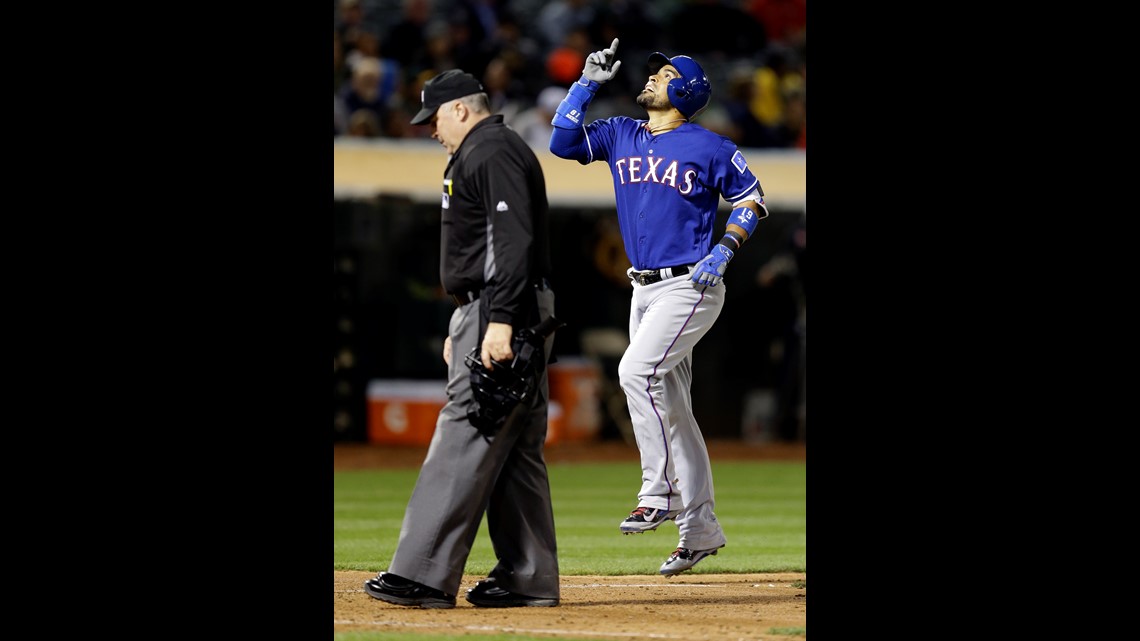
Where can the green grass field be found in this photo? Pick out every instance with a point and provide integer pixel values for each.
(761, 506)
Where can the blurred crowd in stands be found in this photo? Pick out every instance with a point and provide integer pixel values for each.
(528, 52)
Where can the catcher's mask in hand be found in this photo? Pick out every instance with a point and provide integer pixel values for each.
(498, 391)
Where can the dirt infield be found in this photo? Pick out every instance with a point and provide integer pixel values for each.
(704, 607)
(693, 607)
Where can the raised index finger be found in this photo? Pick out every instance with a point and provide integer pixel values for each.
(613, 46)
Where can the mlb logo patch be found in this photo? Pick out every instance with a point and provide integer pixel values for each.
(738, 160)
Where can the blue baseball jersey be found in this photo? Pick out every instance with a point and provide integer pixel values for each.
(667, 186)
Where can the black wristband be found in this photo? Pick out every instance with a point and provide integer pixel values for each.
(735, 236)
(731, 241)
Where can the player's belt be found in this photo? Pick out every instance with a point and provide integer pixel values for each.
(650, 276)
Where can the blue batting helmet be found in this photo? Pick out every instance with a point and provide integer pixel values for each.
(691, 92)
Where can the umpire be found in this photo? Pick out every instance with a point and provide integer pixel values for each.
(494, 262)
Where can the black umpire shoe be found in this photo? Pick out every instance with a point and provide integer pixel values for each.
(486, 594)
(396, 589)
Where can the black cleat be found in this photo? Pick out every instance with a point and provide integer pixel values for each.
(486, 594)
(400, 591)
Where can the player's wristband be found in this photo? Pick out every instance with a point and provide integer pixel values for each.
(745, 218)
(592, 85)
(731, 236)
(572, 110)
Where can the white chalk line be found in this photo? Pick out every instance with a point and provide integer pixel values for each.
(495, 628)
(612, 585)
(645, 585)
(551, 631)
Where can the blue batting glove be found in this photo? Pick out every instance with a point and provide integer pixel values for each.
(711, 268)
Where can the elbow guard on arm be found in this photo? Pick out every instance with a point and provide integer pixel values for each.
(568, 140)
(571, 111)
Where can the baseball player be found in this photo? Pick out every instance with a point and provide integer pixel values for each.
(669, 175)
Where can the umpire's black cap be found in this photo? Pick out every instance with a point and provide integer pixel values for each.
(445, 87)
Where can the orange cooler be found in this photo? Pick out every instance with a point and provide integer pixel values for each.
(404, 412)
(575, 384)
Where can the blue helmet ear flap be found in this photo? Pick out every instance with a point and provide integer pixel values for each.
(690, 93)
(690, 96)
